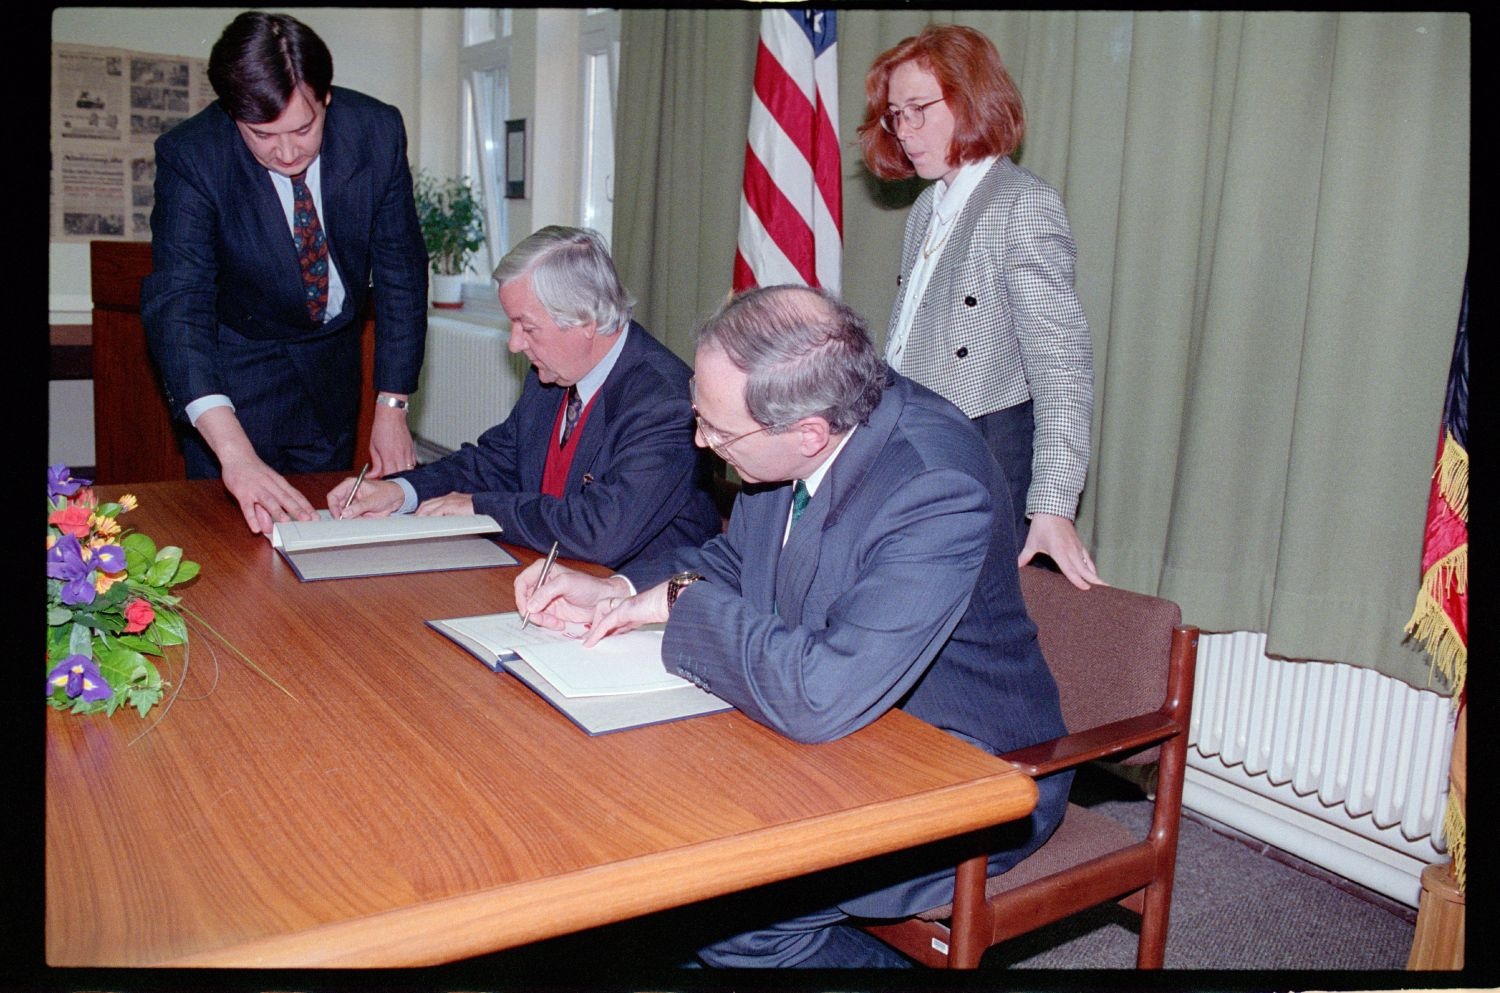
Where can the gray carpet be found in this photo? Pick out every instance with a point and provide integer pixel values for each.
(1232, 908)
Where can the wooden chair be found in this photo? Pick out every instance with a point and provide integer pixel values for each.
(135, 439)
(1124, 668)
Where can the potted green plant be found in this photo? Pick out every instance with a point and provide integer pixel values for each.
(452, 222)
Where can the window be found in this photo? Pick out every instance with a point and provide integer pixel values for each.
(600, 48)
(484, 61)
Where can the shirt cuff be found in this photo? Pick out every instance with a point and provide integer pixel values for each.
(195, 409)
(627, 582)
(409, 501)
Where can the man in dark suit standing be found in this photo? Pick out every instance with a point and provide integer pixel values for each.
(280, 209)
(597, 453)
(869, 563)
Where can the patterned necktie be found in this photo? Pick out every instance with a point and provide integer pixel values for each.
(570, 415)
(800, 498)
(312, 248)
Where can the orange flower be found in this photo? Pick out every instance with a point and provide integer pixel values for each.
(105, 580)
(104, 526)
(128, 502)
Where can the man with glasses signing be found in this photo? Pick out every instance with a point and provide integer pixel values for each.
(861, 489)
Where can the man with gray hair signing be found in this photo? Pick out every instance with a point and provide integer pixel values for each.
(597, 453)
(866, 566)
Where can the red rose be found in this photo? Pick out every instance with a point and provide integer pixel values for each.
(138, 616)
(72, 519)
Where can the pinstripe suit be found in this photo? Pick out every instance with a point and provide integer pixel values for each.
(820, 637)
(1000, 324)
(224, 308)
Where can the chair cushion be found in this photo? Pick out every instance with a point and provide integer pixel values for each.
(1082, 835)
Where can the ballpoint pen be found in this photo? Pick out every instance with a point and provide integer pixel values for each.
(546, 568)
(354, 492)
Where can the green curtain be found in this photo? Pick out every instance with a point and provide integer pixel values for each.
(1271, 212)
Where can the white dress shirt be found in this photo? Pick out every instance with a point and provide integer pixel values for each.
(948, 202)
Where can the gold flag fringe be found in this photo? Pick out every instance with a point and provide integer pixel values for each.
(1432, 626)
(1453, 830)
(1452, 473)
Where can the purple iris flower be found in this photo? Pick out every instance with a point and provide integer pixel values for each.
(62, 482)
(109, 558)
(65, 562)
(79, 675)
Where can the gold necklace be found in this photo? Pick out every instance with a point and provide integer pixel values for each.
(928, 248)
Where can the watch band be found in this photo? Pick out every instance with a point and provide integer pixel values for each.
(391, 401)
(677, 584)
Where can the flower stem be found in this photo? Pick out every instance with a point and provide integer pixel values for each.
(230, 645)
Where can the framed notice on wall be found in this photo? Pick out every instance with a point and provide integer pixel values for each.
(515, 160)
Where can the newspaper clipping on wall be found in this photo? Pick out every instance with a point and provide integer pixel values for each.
(109, 106)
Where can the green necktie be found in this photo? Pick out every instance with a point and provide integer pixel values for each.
(800, 498)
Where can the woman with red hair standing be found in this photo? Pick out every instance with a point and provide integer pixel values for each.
(986, 314)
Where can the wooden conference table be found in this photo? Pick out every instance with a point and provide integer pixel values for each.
(410, 807)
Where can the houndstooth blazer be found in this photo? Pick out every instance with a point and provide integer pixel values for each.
(1000, 323)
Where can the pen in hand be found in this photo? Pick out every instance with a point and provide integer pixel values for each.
(546, 568)
(355, 491)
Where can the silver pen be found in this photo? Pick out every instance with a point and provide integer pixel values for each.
(546, 568)
(354, 492)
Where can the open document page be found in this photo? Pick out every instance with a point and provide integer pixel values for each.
(620, 683)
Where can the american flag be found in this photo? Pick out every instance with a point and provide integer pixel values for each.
(792, 208)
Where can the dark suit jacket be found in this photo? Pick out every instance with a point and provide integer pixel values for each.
(897, 588)
(637, 487)
(223, 258)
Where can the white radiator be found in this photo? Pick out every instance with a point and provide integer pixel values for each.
(1341, 766)
(469, 382)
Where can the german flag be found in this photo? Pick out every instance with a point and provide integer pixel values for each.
(1441, 618)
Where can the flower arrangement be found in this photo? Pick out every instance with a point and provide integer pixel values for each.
(108, 602)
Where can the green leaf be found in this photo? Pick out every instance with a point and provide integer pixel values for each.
(140, 553)
(138, 643)
(59, 644)
(167, 560)
(143, 699)
(187, 570)
(58, 615)
(81, 641)
(170, 628)
(118, 664)
(145, 688)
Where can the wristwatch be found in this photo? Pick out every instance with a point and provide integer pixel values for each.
(677, 584)
(391, 401)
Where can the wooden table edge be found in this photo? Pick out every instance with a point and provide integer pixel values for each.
(460, 927)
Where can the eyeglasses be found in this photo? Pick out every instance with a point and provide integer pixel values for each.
(913, 114)
(716, 442)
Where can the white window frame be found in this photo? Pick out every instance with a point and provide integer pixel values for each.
(484, 70)
(599, 43)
